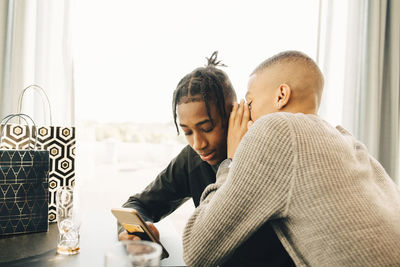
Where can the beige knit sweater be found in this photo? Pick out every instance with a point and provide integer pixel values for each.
(329, 201)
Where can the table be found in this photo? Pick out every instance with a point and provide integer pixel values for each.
(102, 186)
(38, 249)
(98, 233)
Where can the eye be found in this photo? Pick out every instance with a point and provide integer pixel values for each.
(187, 133)
(208, 130)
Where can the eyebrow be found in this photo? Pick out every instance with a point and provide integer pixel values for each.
(197, 124)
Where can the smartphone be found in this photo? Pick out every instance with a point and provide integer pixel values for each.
(133, 223)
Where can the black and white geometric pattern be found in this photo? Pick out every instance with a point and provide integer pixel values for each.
(59, 141)
(23, 191)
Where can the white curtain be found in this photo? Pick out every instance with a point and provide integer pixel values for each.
(361, 63)
(35, 49)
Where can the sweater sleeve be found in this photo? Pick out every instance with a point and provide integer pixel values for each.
(257, 189)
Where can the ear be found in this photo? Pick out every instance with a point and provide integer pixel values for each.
(284, 93)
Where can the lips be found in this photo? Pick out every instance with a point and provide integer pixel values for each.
(207, 156)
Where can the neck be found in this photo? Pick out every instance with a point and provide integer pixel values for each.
(305, 109)
(305, 105)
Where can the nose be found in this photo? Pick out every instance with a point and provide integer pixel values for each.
(199, 142)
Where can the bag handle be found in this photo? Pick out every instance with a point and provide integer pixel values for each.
(19, 115)
(44, 96)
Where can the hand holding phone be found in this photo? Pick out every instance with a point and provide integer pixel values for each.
(133, 223)
(132, 235)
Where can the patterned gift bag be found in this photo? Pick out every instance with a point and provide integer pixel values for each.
(23, 188)
(58, 140)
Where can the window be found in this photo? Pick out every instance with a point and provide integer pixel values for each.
(130, 55)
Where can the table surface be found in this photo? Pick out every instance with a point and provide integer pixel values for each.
(100, 187)
(98, 233)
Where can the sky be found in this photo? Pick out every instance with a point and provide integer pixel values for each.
(130, 55)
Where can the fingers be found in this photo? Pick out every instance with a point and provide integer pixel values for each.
(246, 115)
(240, 115)
(154, 229)
(125, 236)
(232, 117)
(133, 237)
(238, 125)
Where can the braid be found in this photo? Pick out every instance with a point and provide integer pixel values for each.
(205, 84)
(212, 61)
(174, 101)
(220, 99)
(205, 95)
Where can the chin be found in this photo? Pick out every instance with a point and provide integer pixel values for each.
(214, 161)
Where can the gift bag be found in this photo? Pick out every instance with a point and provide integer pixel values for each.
(23, 187)
(58, 140)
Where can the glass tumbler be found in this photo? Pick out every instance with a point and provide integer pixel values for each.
(133, 253)
(68, 222)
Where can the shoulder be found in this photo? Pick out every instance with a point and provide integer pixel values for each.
(272, 124)
(186, 152)
(180, 161)
(284, 122)
(269, 134)
(273, 118)
(187, 159)
(273, 133)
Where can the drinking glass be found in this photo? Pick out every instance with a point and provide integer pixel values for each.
(133, 253)
(68, 221)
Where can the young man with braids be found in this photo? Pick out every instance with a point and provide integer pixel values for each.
(201, 105)
(327, 199)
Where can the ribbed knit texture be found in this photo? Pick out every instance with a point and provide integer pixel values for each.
(329, 201)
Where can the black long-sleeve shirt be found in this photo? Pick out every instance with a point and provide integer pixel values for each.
(186, 177)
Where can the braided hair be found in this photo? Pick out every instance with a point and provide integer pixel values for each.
(208, 84)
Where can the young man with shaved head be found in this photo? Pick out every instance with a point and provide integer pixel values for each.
(328, 200)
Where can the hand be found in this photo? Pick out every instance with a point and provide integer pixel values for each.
(153, 228)
(239, 122)
(126, 236)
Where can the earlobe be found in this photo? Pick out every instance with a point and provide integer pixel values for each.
(284, 95)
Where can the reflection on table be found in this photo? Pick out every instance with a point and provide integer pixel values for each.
(102, 186)
(39, 249)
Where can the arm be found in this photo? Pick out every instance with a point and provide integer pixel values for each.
(161, 197)
(166, 193)
(257, 188)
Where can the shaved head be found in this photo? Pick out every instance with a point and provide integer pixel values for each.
(297, 70)
(288, 82)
